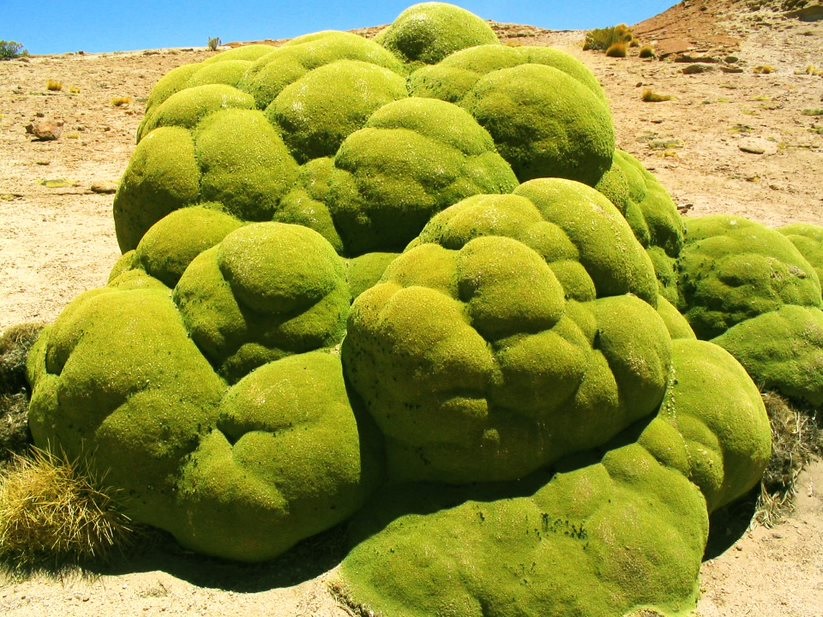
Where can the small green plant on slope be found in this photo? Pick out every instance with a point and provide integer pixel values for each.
(52, 514)
(9, 50)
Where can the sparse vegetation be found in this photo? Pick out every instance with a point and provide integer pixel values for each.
(649, 96)
(796, 439)
(813, 70)
(14, 397)
(601, 39)
(617, 50)
(647, 51)
(52, 513)
(763, 69)
(121, 101)
(9, 50)
(812, 112)
(214, 43)
(54, 86)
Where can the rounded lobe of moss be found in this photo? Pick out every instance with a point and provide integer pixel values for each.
(676, 324)
(173, 81)
(248, 53)
(430, 31)
(808, 239)
(268, 290)
(271, 73)
(278, 268)
(414, 158)
(544, 122)
(286, 460)
(245, 164)
(596, 541)
(507, 288)
(170, 245)
(319, 110)
(606, 246)
(733, 269)
(453, 77)
(782, 350)
(366, 271)
(112, 368)
(162, 176)
(189, 106)
(723, 431)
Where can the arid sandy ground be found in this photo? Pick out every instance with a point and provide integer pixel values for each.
(58, 242)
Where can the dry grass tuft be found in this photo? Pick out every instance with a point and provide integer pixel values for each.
(763, 69)
(120, 101)
(649, 96)
(796, 440)
(54, 86)
(647, 51)
(617, 50)
(602, 39)
(53, 514)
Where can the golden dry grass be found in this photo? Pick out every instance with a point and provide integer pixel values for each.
(53, 514)
(53, 85)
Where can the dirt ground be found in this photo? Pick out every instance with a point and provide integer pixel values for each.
(730, 140)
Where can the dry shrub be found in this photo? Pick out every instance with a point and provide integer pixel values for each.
(796, 440)
(120, 101)
(647, 51)
(54, 86)
(617, 50)
(764, 69)
(52, 513)
(649, 96)
(602, 39)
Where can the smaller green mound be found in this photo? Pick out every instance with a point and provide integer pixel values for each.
(808, 239)
(266, 291)
(782, 350)
(319, 110)
(118, 376)
(676, 324)
(174, 241)
(651, 213)
(712, 425)
(451, 79)
(162, 176)
(544, 122)
(430, 31)
(271, 73)
(188, 107)
(414, 158)
(492, 360)
(732, 269)
(284, 462)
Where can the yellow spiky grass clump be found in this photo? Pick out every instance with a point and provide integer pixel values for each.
(52, 513)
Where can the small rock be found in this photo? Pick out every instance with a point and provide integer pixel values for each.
(731, 69)
(104, 188)
(756, 145)
(45, 130)
(694, 69)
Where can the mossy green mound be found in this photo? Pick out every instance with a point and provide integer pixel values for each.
(782, 350)
(266, 291)
(430, 31)
(651, 214)
(487, 369)
(733, 269)
(624, 534)
(221, 410)
(547, 115)
(808, 239)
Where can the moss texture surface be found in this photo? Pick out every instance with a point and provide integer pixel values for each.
(410, 283)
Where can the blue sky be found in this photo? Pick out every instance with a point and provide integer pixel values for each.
(54, 27)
